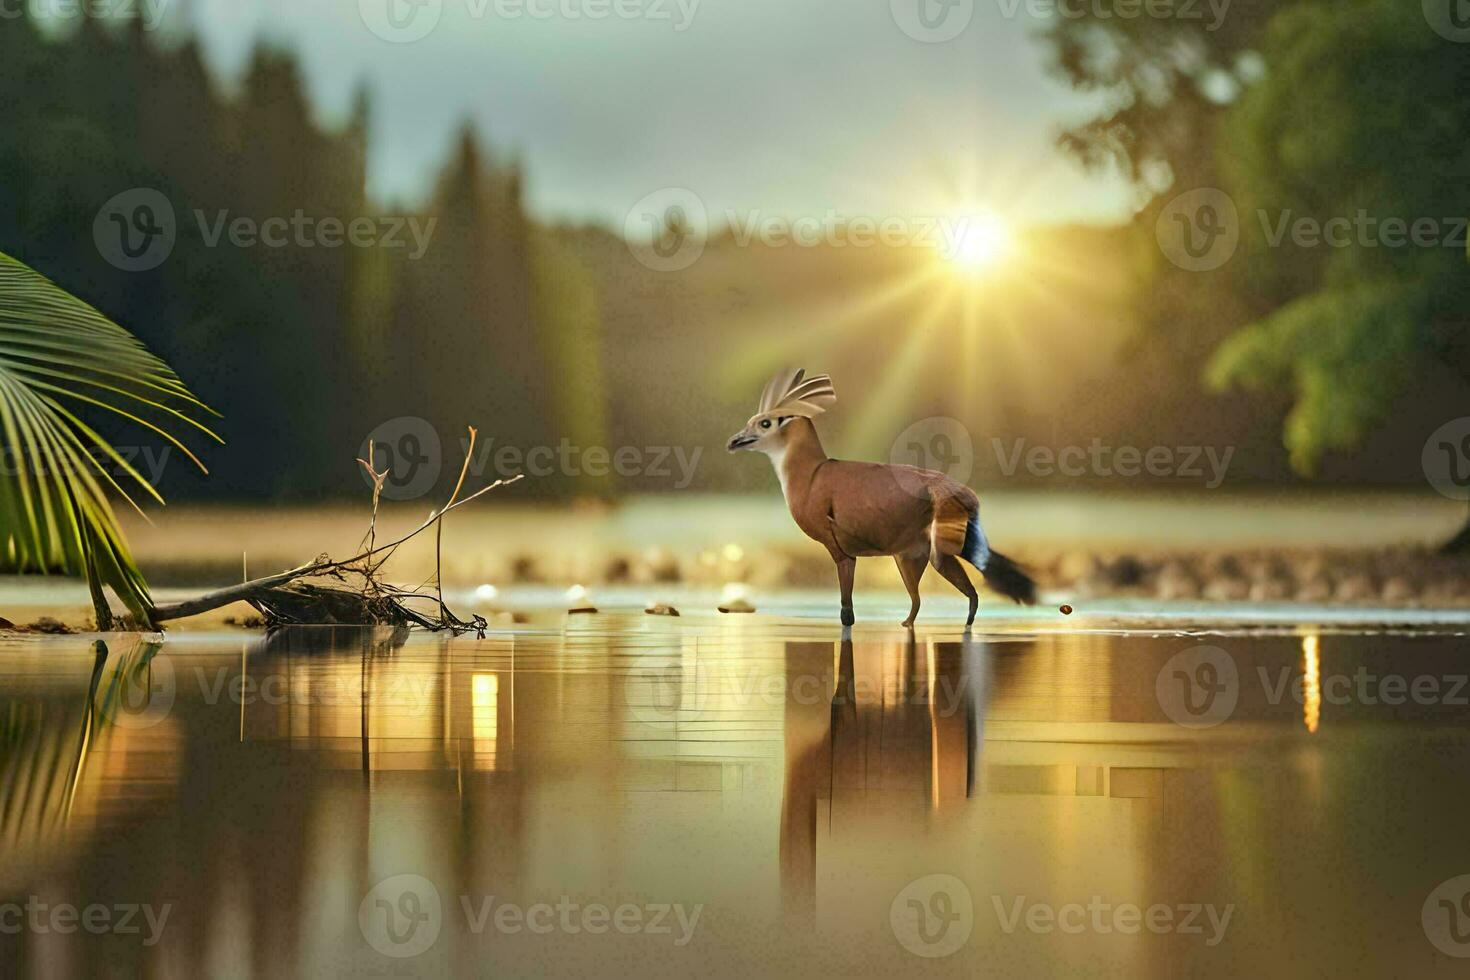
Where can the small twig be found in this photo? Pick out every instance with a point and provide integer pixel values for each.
(269, 592)
(439, 530)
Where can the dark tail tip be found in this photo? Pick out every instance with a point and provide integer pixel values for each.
(1009, 579)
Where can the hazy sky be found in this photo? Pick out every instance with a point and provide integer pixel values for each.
(788, 107)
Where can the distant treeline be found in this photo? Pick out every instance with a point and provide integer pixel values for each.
(302, 311)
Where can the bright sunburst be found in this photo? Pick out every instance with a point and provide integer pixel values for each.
(982, 242)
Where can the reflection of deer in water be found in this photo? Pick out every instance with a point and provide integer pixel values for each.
(921, 745)
(920, 517)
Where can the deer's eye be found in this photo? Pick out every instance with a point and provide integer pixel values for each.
(765, 423)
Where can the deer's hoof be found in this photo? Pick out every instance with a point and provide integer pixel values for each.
(907, 624)
(848, 618)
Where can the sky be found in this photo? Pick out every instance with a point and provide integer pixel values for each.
(767, 107)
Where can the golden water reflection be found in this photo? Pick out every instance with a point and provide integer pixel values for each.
(791, 781)
(1311, 682)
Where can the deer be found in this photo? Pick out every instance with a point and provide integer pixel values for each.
(859, 510)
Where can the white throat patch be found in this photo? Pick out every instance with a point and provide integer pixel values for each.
(778, 460)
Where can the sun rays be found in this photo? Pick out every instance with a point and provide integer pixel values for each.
(980, 317)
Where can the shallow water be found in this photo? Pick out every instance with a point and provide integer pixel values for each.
(736, 796)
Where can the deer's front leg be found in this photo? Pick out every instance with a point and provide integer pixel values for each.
(845, 568)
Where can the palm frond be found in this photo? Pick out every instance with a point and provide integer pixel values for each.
(58, 475)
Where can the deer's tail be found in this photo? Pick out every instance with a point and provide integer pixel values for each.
(1001, 573)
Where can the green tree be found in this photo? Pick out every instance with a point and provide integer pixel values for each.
(1363, 117)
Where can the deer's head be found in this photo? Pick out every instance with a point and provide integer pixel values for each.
(790, 395)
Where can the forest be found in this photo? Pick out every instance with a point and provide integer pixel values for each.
(292, 340)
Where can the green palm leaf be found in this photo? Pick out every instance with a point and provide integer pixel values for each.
(58, 476)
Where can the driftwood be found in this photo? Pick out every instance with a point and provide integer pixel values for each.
(351, 592)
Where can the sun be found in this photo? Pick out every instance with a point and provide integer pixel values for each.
(982, 241)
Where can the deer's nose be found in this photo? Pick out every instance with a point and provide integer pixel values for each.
(739, 441)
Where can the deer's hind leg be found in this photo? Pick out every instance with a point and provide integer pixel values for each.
(949, 566)
(912, 570)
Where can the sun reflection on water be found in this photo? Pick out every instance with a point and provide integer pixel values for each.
(1311, 682)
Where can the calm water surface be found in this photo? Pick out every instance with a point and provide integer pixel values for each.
(630, 795)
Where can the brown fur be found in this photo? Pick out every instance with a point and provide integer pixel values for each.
(858, 510)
